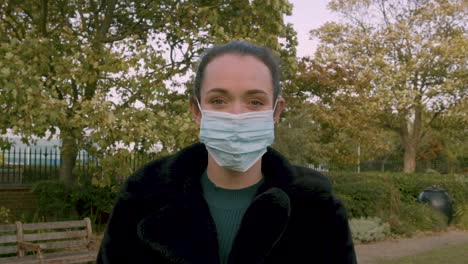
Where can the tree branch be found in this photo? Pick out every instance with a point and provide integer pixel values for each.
(84, 25)
(74, 90)
(43, 20)
(109, 15)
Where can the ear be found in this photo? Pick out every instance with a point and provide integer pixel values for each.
(195, 110)
(279, 108)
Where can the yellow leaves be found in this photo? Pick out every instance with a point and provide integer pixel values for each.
(184, 127)
(4, 72)
(162, 114)
(71, 79)
(9, 55)
(274, 3)
(109, 118)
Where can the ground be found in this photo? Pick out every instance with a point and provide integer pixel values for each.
(396, 248)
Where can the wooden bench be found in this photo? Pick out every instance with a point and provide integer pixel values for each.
(49, 242)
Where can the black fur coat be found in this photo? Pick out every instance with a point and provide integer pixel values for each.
(160, 216)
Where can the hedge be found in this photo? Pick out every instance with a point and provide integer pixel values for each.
(392, 197)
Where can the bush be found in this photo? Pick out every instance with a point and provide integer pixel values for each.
(93, 201)
(57, 202)
(393, 198)
(5, 215)
(365, 230)
(53, 200)
(461, 216)
(410, 186)
(415, 217)
(368, 198)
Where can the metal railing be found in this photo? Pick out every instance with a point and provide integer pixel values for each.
(27, 165)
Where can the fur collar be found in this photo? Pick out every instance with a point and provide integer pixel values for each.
(180, 227)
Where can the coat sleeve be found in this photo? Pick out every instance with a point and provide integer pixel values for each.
(120, 243)
(338, 242)
(344, 252)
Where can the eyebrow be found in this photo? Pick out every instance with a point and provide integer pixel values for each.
(257, 91)
(218, 90)
(249, 92)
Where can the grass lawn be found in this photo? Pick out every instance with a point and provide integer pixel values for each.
(451, 255)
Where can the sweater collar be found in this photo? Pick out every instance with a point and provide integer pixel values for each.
(219, 197)
(275, 168)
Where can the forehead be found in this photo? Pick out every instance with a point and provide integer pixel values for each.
(235, 71)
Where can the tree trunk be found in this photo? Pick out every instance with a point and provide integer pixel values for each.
(69, 152)
(382, 164)
(410, 134)
(409, 158)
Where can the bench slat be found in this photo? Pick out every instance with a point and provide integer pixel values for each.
(22, 260)
(54, 225)
(7, 228)
(71, 243)
(55, 235)
(65, 244)
(8, 250)
(8, 239)
(71, 257)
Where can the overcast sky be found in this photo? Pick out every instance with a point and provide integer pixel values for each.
(307, 15)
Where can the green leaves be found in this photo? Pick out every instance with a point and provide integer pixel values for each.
(390, 65)
(105, 74)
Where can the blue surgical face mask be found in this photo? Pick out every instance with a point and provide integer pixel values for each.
(237, 141)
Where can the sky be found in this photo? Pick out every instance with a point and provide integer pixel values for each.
(307, 15)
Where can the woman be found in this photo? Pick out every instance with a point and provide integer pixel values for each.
(230, 198)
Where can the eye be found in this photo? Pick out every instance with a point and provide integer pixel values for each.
(217, 101)
(256, 103)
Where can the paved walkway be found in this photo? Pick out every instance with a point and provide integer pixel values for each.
(389, 249)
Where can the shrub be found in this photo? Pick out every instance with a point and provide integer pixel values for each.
(93, 201)
(369, 229)
(367, 198)
(410, 186)
(5, 215)
(417, 217)
(57, 202)
(461, 216)
(393, 198)
(53, 200)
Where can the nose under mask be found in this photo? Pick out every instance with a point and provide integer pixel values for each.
(237, 141)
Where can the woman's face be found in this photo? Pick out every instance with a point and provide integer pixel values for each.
(237, 84)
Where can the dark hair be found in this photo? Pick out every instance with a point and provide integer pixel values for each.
(239, 48)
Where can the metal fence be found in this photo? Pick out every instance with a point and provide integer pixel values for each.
(29, 165)
(431, 166)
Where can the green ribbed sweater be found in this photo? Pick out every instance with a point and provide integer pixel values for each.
(227, 207)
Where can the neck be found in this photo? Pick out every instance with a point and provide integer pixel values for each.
(229, 179)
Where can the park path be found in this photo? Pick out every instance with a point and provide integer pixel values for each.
(395, 248)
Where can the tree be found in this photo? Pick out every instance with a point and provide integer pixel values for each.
(402, 61)
(446, 142)
(320, 124)
(103, 74)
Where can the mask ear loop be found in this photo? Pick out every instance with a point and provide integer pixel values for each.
(199, 106)
(274, 109)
